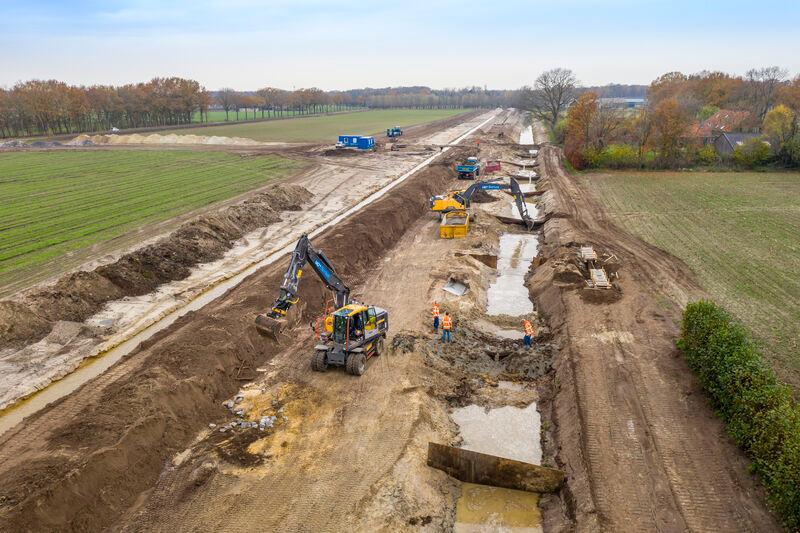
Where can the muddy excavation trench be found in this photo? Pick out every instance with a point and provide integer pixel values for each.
(207, 425)
(106, 455)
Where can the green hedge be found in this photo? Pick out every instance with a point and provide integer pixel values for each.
(759, 411)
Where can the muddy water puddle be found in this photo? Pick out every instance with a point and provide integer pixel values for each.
(508, 295)
(490, 509)
(510, 432)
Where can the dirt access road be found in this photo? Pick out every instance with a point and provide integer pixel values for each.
(637, 437)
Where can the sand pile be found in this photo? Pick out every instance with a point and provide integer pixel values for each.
(156, 138)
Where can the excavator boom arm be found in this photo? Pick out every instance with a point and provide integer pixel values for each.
(304, 253)
(519, 198)
(488, 185)
(516, 192)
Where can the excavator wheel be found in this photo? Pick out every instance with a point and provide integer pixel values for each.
(378, 347)
(356, 364)
(319, 362)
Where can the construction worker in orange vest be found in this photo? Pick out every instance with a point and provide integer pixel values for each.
(435, 314)
(447, 326)
(529, 333)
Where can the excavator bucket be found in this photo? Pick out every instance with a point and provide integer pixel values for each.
(270, 327)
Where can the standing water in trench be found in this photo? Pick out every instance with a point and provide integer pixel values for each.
(510, 432)
(507, 295)
(526, 135)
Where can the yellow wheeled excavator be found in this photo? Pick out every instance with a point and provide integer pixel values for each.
(353, 332)
(461, 200)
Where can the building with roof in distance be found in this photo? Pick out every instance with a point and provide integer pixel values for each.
(623, 103)
(726, 143)
(723, 121)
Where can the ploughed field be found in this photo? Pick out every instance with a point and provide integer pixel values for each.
(739, 232)
(54, 203)
(326, 128)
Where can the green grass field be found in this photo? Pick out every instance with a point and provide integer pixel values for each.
(52, 203)
(327, 128)
(739, 232)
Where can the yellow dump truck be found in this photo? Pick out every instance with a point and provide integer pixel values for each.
(454, 224)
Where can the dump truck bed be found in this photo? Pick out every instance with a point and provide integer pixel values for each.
(454, 225)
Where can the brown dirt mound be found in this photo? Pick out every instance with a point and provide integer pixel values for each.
(115, 436)
(339, 152)
(489, 260)
(18, 321)
(568, 273)
(600, 296)
(483, 197)
(77, 296)
(74, 297)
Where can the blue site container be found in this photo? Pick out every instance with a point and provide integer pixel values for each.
(351, 141)
(365, 143)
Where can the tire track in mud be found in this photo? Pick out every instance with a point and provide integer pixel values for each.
(644, 449)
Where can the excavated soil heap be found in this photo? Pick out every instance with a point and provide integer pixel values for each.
(79, 295)
(114, 436)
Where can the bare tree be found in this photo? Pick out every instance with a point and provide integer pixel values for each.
(607, 120)
(226, 97)
(550, 95)
(763, 84)
(641, 129)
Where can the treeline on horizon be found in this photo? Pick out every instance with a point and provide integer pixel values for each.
(51, 107)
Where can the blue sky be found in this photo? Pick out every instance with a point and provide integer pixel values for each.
(248, 44)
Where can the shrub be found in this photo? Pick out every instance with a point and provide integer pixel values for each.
(707, 155)
(791, 151)
(559, 133)
(618, 156)
(591, 158)
(759, 412)
(751, 153)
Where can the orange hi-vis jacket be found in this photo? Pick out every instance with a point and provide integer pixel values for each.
(528, 328)
(446, 322)
(435, 310)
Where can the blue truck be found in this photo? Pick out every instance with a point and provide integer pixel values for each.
(469, 169)
(358, 142)
(394, 132)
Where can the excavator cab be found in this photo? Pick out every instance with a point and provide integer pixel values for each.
(358, 334)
